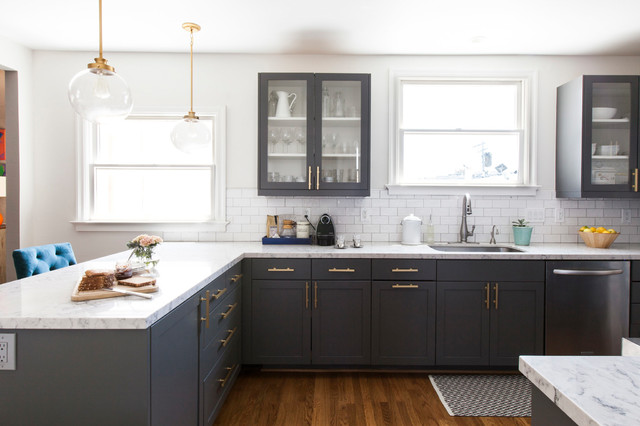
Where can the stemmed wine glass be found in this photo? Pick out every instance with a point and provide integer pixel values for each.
(286, 137)
(299, 137)
(273, 138)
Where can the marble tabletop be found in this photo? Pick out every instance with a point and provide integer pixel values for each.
(591, 390)
(44, 301)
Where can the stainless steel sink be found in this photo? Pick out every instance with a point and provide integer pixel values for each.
(468, 248)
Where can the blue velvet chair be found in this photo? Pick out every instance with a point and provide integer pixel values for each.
(36, 260)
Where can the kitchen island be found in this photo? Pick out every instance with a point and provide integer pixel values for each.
(75, 357)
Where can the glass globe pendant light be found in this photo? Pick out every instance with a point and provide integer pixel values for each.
(190, 135)
(98, 94)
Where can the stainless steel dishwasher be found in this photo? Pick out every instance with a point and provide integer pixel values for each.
(586, 307)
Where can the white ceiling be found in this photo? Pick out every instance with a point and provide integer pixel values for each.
(548, 27)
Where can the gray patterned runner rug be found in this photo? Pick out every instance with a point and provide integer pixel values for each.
(484, 395)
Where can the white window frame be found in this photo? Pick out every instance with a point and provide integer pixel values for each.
(86, 134)
(528, 156)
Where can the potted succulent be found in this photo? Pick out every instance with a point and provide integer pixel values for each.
(521, 232)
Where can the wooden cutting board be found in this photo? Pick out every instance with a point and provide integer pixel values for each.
(81, 296)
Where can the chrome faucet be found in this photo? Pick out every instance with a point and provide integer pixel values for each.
(466, 210)
(494, 231)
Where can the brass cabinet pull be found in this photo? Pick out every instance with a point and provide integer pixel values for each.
(342, 270)
(404, 270)
(317, 178)
(306, 295)
(495, 301)
(309, 177)
(228, 339)
(486, 300)
(219, 293)
(229, 373)
(206, 299)
(236, 278)
(280, 270)
(635, 180)
(231, 308)
(315, 295)
(404, 286)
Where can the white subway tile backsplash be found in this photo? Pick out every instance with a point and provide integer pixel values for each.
(247, 212)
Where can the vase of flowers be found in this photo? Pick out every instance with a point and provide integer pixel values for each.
(142, 252)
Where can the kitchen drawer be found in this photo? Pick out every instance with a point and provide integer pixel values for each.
(217, 384)
(233, 276)
(217, 346)
(635, 313)
(635, 270)
(281, 269)
(404, 269)
(634, 330)
(341, 269)
(491, 270)
(217, 289)
(220, 317)
(635, 292)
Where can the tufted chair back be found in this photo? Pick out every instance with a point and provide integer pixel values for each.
(36, 260)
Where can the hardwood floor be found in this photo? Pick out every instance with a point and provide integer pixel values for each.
(341, 398)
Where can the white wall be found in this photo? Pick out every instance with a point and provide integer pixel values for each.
(231, 80)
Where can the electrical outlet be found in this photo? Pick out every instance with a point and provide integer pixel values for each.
(626, 216)
(535, 215)
(7, 351)
(365, 216)
(559, 215)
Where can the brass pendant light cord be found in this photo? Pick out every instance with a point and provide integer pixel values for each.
(190, 32)
(100, 29)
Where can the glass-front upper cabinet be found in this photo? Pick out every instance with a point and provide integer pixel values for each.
(314, 134)
(597, 122)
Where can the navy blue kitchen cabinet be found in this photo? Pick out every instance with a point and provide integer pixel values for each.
(597, 137)
(634, 326)
(489, 312)
(314, 134)
(403, 317)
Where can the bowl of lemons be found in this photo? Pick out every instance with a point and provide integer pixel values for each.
(598, 237)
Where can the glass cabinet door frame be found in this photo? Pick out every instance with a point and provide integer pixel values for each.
(346, 188)
(589, 187)
(263, 129)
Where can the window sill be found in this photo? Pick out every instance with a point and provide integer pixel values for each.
(522, 190)
(93, 226)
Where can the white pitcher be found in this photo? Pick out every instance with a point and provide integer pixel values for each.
(283, 110)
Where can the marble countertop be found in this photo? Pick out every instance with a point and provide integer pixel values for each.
(591, 390)
(44, 301)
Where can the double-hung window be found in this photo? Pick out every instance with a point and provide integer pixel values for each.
(131, 173)
(462, 131)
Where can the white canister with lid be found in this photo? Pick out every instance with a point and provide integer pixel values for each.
(411, 230)
(302, 230)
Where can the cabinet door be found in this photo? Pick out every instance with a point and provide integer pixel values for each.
(610, 143)
(462, 334)
(403, 326)
(174, 366)
(341, 322)
(517, 321)
(285, 134)
(281, 322)
(342, 134)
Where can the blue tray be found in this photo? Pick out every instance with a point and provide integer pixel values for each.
(276, 241)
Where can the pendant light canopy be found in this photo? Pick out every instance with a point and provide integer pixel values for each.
(190, 135)
(98, 94)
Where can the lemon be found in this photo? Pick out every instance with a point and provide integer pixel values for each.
(600, 229)
(583, 228)
(587, 230)
(612, 231)
(593, 229)
(605, 232)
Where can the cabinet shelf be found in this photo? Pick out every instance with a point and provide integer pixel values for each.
(327, 155)
(286, 155)
(610, 157)
(611, 120)
(287, 121)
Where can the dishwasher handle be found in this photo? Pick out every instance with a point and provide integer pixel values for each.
(587, 272)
